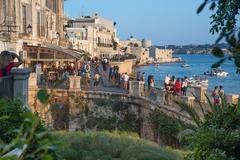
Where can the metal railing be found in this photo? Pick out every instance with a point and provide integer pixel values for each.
(6, 87)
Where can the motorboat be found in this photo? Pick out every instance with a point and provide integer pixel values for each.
(198, 81)
(216, 72)
(185, 65)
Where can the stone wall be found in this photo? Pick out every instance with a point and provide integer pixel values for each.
(94, 110)
(125, 66)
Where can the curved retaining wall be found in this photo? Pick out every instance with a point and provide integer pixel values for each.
(81, 109)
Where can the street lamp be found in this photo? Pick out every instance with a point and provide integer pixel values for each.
(29, 29)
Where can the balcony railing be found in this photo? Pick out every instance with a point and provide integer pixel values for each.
(6, 87)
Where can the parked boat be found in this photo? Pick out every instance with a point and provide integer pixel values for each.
(216, 72)
(198, 81)
(185, 65)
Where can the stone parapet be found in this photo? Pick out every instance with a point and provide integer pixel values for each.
(136, 88)
(75, 82)
(20, 83)
(199, 92)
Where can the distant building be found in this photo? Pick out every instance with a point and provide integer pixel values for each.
(94, 34)
(35, 22)
(160, 54)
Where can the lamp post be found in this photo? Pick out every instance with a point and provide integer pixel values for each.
(58, 38)
(29, 29)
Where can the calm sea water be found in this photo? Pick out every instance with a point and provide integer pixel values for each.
(198, 65)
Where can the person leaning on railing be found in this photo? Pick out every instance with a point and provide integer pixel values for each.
(7, 62)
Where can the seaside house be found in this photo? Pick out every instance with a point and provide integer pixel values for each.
(161, 55)
(139, 48)
(94, 34)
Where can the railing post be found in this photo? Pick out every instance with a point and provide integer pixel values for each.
(136, 88)
(20, 84)
(75, 82)
(199, 92)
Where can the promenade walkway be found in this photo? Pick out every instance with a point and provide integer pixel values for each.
(104, 85)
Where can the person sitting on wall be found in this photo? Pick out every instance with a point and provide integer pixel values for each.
(7, 62)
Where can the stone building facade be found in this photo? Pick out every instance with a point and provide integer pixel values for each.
(35, 22)
(160, 54)
(139, 48)
(93, 34)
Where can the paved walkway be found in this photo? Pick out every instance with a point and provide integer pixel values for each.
(104, 85)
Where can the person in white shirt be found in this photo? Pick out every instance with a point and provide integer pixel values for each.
(126, 78)
(167, 80)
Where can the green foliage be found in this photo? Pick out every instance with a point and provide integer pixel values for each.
(106, 145)
(31, 142)
(43, 96)
(218, 135)
(225, 19)
(167, 127)
(11, 118)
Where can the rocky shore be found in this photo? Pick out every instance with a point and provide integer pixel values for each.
(162, 61)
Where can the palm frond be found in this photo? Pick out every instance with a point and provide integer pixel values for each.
(199, 103)
(187, 132)
(191, 111)
(212, 107)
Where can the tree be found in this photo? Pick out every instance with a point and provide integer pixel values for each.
(224, 21)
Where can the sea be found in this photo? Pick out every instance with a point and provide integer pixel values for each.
(198, 65)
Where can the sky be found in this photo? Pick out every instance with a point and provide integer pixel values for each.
(165, 22)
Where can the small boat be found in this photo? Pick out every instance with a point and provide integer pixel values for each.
(185, 65)
(198, 81)
(216, 72)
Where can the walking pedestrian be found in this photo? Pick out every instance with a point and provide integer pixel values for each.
(215, 95)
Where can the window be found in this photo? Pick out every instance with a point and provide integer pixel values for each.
(55, 6)
(24, 19)
(4, 8)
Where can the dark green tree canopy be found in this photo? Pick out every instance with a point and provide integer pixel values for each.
(225, 22)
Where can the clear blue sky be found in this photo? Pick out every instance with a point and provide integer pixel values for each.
(163, 21)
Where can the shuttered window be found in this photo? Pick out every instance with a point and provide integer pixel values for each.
(24, 19)
(43, 24)
(38, 24)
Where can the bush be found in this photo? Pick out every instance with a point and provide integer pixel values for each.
(32, 142)
(22, 131)
(167, 127)
(106, 145)
(11, 113)
(218, 138)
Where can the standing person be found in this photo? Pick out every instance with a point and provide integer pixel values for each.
(167, 80)
(126, 78)
(138, 76)
(104, 64)
(151, 83)
(110, 73)
(142, 77)
(221, 91)
(122, 80)
(221, 94)
(7, 62)
(215, 95)
(177, 87)
(66, 78)
(168, 94)
(96, 80)
(184, 87)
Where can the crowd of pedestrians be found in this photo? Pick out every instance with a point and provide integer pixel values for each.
(176, 86)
